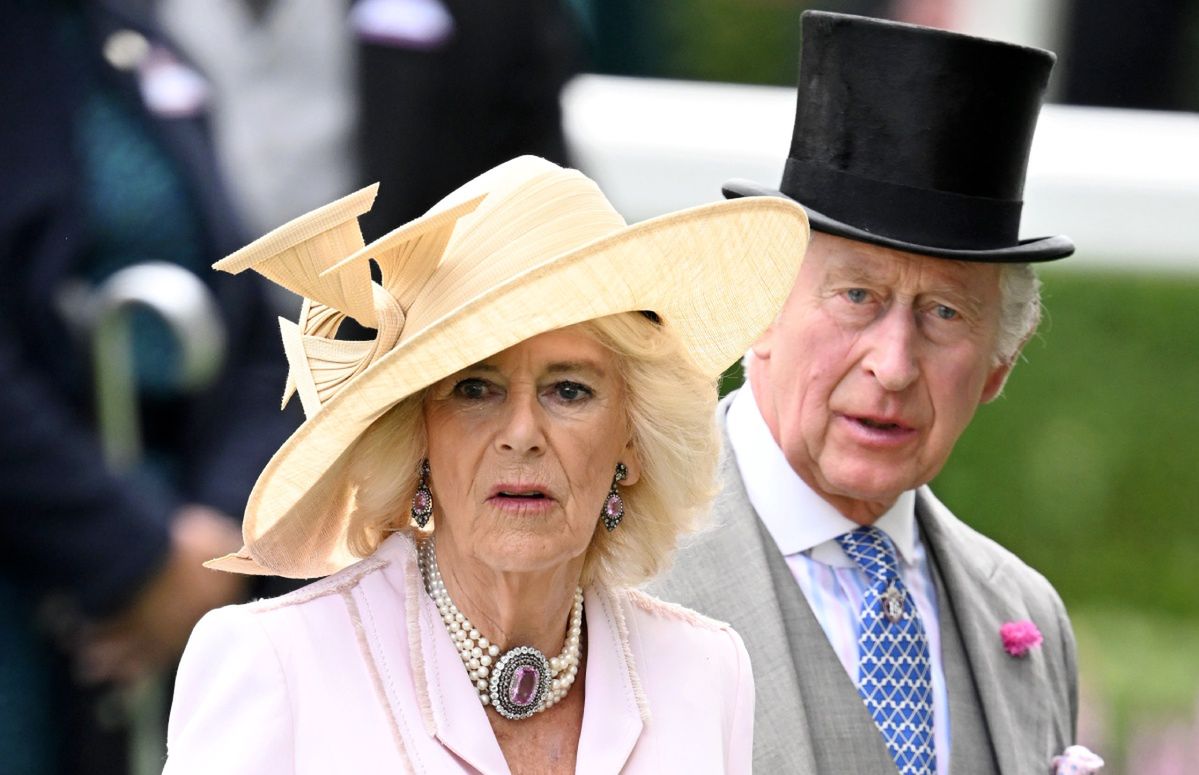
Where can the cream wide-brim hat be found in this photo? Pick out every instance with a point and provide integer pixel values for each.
(523, 249)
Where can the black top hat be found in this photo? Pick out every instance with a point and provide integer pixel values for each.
(914, 138)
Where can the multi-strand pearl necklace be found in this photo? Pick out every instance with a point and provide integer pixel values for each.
(519, 682)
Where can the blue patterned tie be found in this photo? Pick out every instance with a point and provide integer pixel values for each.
(895, 679)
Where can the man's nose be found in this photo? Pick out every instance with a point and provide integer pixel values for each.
(891, 357)
(522, 427)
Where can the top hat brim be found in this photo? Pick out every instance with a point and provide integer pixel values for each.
(1032, 250)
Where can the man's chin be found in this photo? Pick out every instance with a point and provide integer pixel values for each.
(865, 491)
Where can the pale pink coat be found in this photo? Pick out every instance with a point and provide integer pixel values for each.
(356, 673)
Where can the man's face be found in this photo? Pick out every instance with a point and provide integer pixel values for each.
(875, 366)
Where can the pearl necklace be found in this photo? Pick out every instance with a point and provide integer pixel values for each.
(519, 682)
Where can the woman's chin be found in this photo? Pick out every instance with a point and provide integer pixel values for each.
(525, 553)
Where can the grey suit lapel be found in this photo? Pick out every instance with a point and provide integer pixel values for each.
(970, 747)
(1008, 688)
(846, 738)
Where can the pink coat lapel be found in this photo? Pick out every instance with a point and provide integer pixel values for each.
(616, 709)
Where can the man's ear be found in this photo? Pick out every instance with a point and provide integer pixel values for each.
(997, 379)
(1002, 370)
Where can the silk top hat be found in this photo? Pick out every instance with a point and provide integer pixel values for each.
(914, 138)
(523, 249)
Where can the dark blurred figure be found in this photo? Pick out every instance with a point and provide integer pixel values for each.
(431, 117)
(104, 163)
(1132, 55)
(315, 97)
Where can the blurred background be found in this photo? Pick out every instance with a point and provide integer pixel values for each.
(144, 139)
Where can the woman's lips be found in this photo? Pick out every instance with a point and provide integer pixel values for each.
(522, 497)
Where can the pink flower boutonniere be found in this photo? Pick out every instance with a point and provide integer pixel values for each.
(1020, 637)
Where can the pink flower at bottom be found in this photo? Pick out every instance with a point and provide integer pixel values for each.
(1019, 637)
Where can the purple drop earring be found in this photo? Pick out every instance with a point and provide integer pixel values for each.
(422, 501)
(613, 510)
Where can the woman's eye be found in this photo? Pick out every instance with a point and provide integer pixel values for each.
(571, 391)
(945, 313)
(471, 388)
(856, 295)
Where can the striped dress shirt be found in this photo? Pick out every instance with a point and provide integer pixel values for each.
(805, 527)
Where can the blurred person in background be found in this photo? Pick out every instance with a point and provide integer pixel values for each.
(105, 163)
(312, 98)
(886, 635)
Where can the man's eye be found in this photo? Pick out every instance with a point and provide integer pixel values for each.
(945, 313)
(856, 295)
(471, 388)
(571, 391)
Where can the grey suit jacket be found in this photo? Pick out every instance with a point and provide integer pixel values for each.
(1007, 715)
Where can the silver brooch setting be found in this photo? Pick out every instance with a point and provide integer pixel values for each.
(892, 601)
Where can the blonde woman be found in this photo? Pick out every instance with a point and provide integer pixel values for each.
(486, 482)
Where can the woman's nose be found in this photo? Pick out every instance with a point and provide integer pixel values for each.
(522, 430)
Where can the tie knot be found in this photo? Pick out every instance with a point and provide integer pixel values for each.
(873, 552)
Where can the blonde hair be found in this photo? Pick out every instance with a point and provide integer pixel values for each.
(670, 409)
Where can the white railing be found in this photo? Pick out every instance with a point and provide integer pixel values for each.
(1123, 184)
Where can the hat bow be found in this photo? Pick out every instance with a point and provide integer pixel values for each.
(325, 261)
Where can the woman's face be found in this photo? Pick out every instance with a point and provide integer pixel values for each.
(522, 450)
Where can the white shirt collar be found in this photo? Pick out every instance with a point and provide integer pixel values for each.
(797, 518)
